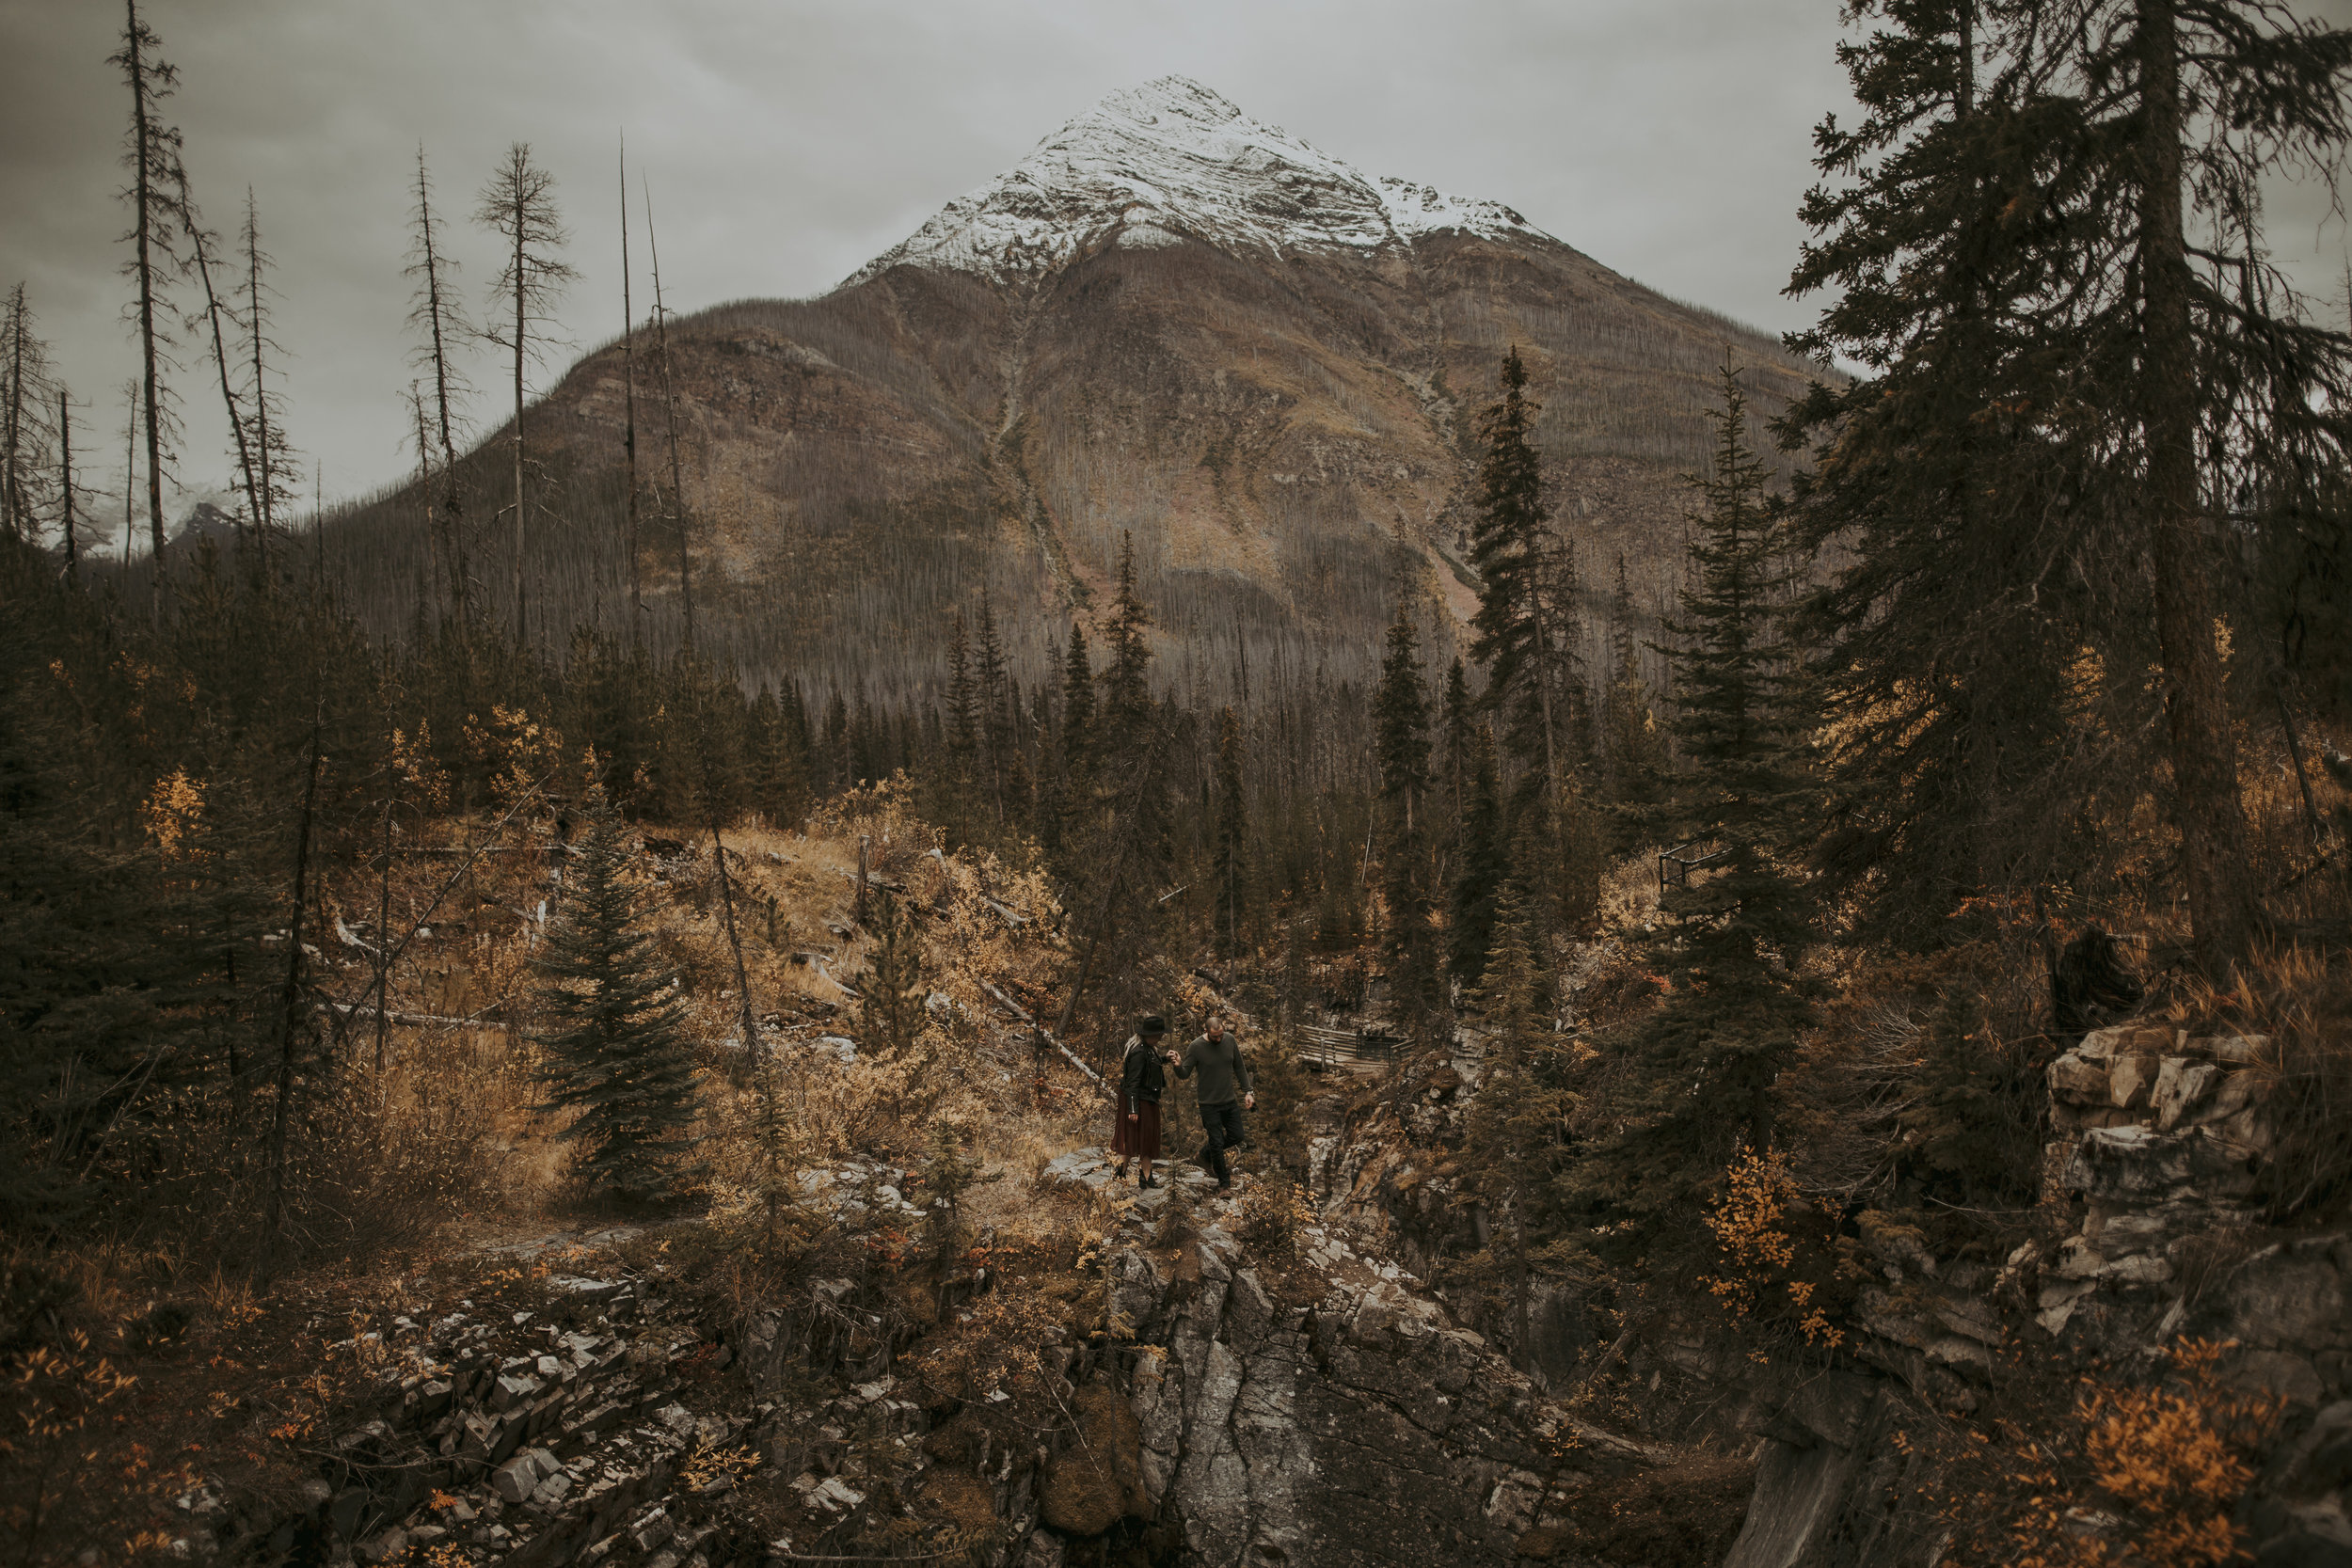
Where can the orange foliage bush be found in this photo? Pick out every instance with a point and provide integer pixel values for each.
(1753, 1228)
(2131, 1478)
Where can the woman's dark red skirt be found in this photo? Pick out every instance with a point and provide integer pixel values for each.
(1139, 1138)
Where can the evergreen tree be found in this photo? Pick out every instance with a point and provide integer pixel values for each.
(1523, 636)
(276, 470)
(998, 743)
(1401, 715)
(614, 1033)
(962, 724)
(779, 773)
(869, 759)
(1732, 682)
(1731, 938)
(1228, 864)
(1633, 749)
(1512, 1137)
(893, 989)
(1078, 706)
(1401, 712)
(1948, 633)
(2213, 385)
(26, 394)
(2046, 237)
(1458, 722)
(1482, 866)
(1126, 685)
(838, 772)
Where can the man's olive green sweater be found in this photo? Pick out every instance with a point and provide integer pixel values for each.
(1224, 1076)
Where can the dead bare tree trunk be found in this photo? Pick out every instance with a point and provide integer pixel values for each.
(669, 403)
(13, 511)
(629, 418)
(519, 203)
(436, 310)
(2209, 812)
(383, 882)
(65, 488)
(522, 618)
(196, 238)
(424, 498)
(130, 467)
(269, 459)
(153, 156)
(290, 1012)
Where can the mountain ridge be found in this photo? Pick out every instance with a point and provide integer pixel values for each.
(1190, 332)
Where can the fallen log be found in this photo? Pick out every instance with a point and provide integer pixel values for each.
(1048, 1036)
(418, 1021)
(431, 851)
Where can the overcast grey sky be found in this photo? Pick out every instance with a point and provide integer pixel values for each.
(788, 141)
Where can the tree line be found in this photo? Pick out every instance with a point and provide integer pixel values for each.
(2073, 532)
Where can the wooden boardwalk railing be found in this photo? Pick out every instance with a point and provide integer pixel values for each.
(1359, 1051)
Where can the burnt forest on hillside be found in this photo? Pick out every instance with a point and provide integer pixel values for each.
(1784, 904)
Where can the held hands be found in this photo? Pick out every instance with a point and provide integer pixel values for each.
(1132, 1114)
(1248, 1101)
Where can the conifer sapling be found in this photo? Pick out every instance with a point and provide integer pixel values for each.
(613, 1031)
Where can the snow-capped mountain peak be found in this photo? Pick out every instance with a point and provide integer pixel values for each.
(1170, 160)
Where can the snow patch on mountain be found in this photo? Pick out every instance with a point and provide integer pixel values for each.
(1153, 165)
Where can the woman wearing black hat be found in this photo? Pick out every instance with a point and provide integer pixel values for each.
(1135, 1123)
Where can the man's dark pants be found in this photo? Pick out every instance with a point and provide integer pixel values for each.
(1223, 1125)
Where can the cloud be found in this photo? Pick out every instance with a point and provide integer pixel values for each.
(788, 141)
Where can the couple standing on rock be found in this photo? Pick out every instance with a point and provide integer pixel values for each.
(1225, 1093)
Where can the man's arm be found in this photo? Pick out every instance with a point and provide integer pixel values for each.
(1190, 1059)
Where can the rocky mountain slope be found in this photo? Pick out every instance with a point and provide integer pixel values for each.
(1171, 323)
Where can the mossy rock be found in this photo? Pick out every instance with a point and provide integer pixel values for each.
(1542, 1544)
(1098, 1480)
(964, 1501)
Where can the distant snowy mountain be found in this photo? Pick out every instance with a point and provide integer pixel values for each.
(1169, 161)
(1169, 329)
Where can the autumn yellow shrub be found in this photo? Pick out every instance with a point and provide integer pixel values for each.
(1755, 1225)
(2126, 1477)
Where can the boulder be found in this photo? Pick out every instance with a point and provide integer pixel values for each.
(2238, 1049)
(2077, 1078)
(2280, 1302)
(2128, 1165)
(515, 1480)
(2182, 1082)
(2290, 1377)
(2130, 1079)
(387, 1547)
(2125, 1038)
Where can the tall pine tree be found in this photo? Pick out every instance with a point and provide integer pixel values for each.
(1948, 633)
(1731, 938)
(1525, 636)
(1401, 738)
(1480, 867)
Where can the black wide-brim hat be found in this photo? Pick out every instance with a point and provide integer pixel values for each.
(1153, 1024)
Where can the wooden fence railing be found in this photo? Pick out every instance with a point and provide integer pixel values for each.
(1343, 1049)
